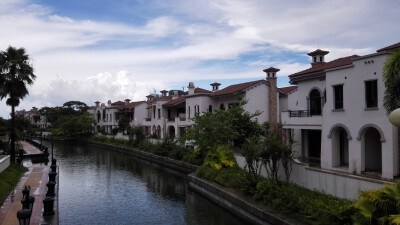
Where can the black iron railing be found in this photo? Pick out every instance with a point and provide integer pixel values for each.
(303, 113)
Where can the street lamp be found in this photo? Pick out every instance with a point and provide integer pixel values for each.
(24, 216)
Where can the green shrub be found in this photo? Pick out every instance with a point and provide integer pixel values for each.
(379, 206)
(220, 166)
(309, 206)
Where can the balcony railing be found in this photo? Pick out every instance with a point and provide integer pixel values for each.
(147, 119)
(171, 119)
(303, 113)
(182, 118)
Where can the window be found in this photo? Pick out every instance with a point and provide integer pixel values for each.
(222, 106)
(371, 93)
(154, 112)
(338, 94)
(189, 112)
(159, 113)
(210, 108)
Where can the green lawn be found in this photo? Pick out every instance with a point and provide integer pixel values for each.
(9, 179)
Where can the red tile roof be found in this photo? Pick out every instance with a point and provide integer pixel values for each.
(118, 103)
(236, 88)
(317, 52)
(131, 105)
(201, 90)
(175, 101)
(165, 98)
(390, 47)
(329, 65)
(287, 90)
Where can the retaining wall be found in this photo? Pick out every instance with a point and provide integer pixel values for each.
(4, 163)
(339, 184)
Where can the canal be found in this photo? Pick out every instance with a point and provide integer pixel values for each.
(98, 186)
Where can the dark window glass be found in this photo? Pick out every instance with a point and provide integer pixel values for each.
(210, 108)
(222, 106)
(371, 93)
(154, 112)
(159, 113)
(338, 93)
(189, 112)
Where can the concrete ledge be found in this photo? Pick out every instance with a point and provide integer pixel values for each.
(163, 161)
(4, 162)
(236, 204)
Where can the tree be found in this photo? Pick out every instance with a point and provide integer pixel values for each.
(16, 72)
(391, 79)
(222, 127)
(123, 123)
(74, 108)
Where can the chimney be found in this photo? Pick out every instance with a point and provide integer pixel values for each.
(272, 95)
(175, 95)
(127, 101)
(149, 98)
(215, 86)
(108, 103)
(164, 93)
(318, 57)
(97, 103)
(191, 88)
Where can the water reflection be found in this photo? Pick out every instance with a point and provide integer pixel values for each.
(103, 187)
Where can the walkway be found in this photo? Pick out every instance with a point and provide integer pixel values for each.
(36, 178)
(29, 149)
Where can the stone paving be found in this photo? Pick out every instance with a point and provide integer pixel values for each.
(36, 178)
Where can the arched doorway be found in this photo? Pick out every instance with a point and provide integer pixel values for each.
(154, 132)
(315, 102)
(372, 149)
(171, 132)
(340, 147)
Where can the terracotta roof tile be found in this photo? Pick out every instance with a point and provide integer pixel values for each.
(287, 90)
(329, 65)
(118, 103)
(236, 88)
(390, 47)
(317, 52)
(175, 101)
(165, 98)
(201, 90)
(131, 105)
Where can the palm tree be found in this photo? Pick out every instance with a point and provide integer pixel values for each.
(15, 73)
(391, 79)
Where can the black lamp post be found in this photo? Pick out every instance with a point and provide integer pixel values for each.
(24, 216)
(27, 200)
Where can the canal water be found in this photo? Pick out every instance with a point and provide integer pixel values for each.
(98, 186)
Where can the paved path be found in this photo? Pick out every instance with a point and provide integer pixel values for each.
(30, 149)
(36, 178)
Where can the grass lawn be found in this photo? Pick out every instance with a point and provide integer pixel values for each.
(9, 179)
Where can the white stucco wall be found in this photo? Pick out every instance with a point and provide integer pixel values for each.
(355, 115)
(258, 100)
(340, 185)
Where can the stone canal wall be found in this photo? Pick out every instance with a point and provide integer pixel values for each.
(244, 208)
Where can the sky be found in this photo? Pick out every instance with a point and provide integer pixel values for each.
(99, 50)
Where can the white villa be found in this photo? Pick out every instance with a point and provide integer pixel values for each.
(344, 141)
(337, 116)
(33, 115)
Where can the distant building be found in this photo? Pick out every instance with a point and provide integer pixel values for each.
(36, 119)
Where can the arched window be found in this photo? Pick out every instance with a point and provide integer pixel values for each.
(315, 102)
(222, 106)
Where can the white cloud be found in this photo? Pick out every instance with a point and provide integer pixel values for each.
(71, 56)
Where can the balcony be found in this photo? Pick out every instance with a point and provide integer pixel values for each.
(171, 119)
(147, 119)
(301, 119)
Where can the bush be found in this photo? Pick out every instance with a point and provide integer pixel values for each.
(220, 166)
(309, 206)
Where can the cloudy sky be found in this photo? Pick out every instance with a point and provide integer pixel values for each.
(106, 49)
